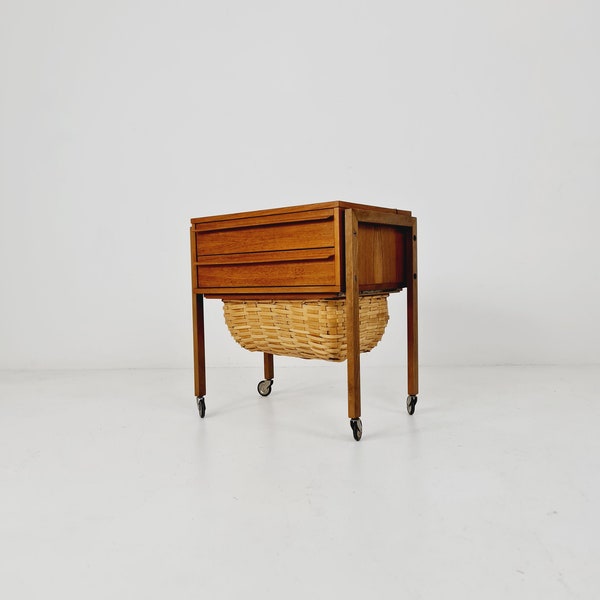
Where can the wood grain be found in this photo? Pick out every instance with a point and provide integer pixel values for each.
(381, 260)
(266, 236)
(352, 314)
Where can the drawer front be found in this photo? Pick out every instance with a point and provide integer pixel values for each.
(301, 272)
(266, 238)
(292, 252)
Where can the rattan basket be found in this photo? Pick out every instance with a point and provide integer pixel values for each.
(304, 328)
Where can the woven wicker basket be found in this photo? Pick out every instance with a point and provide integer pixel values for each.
(304, 328)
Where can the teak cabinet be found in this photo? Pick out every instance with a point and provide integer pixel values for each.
(316, 251)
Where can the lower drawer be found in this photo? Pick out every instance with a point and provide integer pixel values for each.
(304, 269)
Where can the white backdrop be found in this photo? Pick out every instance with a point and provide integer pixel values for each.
(120, 120)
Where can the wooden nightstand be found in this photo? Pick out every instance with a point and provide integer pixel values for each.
(331, 250)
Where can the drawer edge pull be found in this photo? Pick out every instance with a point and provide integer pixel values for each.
(266, 257)
(271, 220)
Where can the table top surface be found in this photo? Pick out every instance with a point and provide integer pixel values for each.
(299, 208)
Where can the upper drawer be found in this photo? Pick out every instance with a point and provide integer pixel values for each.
(296, 231)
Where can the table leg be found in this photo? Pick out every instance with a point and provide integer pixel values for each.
(352, 316)
(269, 369)
(265, 386)
(199, 353)
(412, 313)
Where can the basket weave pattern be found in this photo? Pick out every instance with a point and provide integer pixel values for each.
(304, 328)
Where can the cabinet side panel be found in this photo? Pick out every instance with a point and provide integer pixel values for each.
(381, 257)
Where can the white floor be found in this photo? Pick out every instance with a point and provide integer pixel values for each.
(112, 487)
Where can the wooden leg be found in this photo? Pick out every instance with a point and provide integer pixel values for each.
(269, 368)
(352, 318)
(265, 386)
(199, 354)
(412, 313)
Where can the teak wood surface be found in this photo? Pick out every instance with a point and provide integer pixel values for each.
(326, 250)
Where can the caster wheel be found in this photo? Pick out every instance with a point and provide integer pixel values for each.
(356, 425)
(201, 406)
(264, 387)
(411, 402)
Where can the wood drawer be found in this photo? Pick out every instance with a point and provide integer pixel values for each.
(233, 236)
(297, 251)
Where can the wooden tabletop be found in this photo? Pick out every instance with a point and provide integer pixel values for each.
(299, 208)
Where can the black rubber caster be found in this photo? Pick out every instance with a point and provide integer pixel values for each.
(264, 387)
(411, 402)
(201, 406)
(356, 425)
